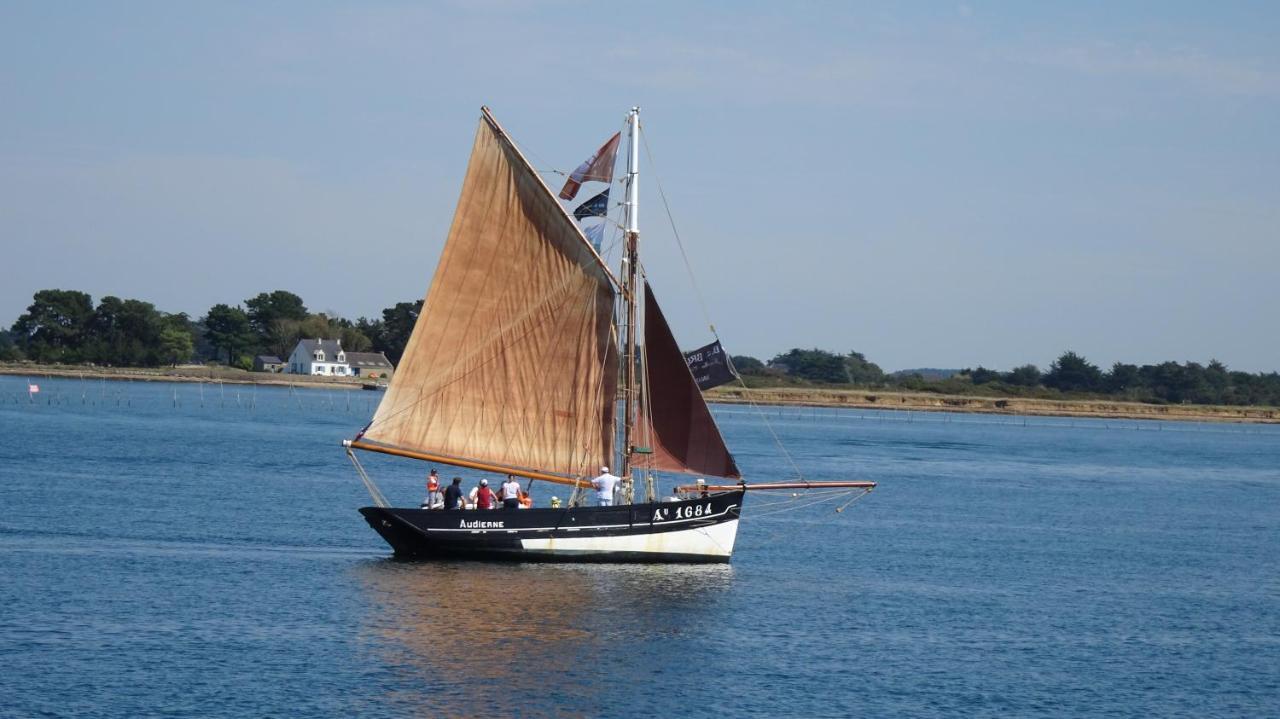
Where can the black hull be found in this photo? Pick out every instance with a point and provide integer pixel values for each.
(698, 530)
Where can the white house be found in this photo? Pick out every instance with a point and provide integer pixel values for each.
(319, 356)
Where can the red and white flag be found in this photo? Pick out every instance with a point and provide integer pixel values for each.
(597, 168)
(33, 388)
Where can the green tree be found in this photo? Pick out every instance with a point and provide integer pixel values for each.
(275, 317)
(814, 365)
(176, 345)
(282, 337)
(373, 329)
(266, 308)
(9, 351)
(1073, 373)
(353, 340)
(125, 333)
(397, 326)
(982, 375)
(177, 339)
(319, 326)
(1173, 382)
(227, 328)
(861, 371)
(55, 326)
(1218, 378)
(1196, 386)
(1028, 375)
(746, 364)
(1122, 378)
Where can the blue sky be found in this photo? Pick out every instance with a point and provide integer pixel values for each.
(932, 184)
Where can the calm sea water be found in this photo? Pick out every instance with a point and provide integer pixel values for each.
(173, 550)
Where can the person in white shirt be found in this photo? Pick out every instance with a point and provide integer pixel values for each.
(510, 493)
(604, 485)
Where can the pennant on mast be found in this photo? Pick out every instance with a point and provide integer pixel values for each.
(595, 234)
(597, 168)
(597, 206)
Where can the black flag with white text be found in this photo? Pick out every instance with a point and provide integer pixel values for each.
(709, 366)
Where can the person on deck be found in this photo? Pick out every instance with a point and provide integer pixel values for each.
(510, 493)
(453, 494)
(435, 498)
(604, 485)
(485, 498)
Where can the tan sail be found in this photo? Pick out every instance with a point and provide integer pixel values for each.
(676, 420)
(510, 365)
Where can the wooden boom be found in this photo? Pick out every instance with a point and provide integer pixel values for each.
(774, 485)
(468, 463)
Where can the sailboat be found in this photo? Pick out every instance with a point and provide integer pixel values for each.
(526, 344)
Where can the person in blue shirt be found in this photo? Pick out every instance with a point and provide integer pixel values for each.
(453, 494)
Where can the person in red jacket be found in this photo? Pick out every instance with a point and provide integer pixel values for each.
(484, 496)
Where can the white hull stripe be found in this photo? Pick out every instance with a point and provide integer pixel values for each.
(575, 527)
(713, 541)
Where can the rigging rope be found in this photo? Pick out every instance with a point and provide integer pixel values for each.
(702, 304)
(374, 492)
(812, 502)
(646, 409)
(794, 497)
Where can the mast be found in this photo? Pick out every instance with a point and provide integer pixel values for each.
(631, 391)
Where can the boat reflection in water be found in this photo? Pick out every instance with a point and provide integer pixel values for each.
(468, 639)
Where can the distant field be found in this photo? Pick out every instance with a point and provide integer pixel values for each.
(806, 396)
(926, 402)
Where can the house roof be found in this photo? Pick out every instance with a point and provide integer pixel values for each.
(331, 348)
(368, 359)
(268, 359)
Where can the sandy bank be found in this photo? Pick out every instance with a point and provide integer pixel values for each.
(926, 402)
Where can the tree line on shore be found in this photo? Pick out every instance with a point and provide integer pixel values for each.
(1069, 376)
(65, 327)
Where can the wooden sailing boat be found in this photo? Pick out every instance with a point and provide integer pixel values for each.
(515, 366)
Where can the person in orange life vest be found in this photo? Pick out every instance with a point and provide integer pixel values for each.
(435, 498)
(485, 498)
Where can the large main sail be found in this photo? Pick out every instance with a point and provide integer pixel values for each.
(511, 364)
(676, 419)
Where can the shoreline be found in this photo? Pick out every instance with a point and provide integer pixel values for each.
(1013, 406)
(773, 396)
(186, 373)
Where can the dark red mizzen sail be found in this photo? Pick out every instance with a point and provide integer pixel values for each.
(683, 435)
